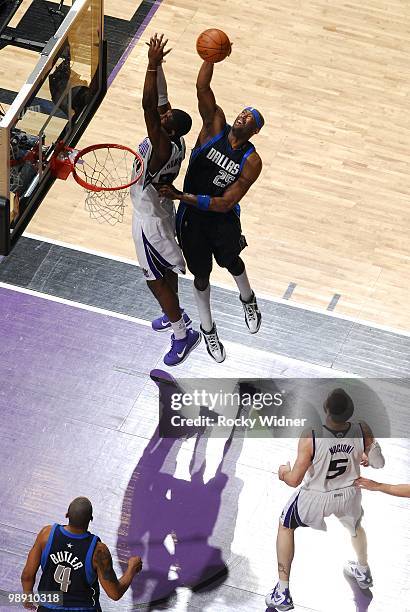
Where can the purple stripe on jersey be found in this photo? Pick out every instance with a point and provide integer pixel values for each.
(144, 146)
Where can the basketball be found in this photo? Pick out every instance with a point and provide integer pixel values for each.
(213, 45)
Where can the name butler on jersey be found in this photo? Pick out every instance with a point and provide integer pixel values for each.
(67, 567)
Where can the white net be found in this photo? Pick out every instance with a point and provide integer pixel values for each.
(107, 168)
(106, 206)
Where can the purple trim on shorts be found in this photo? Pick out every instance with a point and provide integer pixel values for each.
(133, 41)
(293, 513)
(157, 255)
(152, 254)
(157, 273)
(296, 514)
(288, 517)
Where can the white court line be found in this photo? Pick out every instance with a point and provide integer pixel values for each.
(77, 247)
(53, 298)
(110, 313)
(261, 295)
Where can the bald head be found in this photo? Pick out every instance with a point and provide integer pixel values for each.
(80, 513)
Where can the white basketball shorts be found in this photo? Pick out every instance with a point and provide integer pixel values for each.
(156, 246)
(308, 508)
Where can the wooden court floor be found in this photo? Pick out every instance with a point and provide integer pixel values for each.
(330, 212)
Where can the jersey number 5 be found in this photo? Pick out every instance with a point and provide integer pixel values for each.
(338, 467)
(62, 577)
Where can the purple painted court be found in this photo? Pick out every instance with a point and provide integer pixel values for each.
(80, 417)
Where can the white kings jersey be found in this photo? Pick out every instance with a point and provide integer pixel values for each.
(144, 196)
(336, 459)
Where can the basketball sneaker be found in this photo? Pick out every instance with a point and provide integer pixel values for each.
(180, 349)
(279, 600)
(363, 576)
(164, 324)
(253, 317)
(214, 347)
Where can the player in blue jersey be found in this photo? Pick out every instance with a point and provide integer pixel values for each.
(222, 168)
(74, 563)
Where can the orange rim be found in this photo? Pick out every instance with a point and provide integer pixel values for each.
(91, 148)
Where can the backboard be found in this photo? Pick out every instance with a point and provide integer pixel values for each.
(55, 105)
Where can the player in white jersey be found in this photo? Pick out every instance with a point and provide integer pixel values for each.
(329, 462)
(153, 224)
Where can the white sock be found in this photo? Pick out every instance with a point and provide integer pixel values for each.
(179, 329)
(283, 584)
(244, 287)
(203, 302)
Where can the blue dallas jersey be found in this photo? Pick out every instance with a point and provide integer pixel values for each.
(67, 564)
(214, 166)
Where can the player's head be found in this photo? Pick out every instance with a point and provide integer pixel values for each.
(80, 513)
(339, 406)
(176, 122)
(247, 123)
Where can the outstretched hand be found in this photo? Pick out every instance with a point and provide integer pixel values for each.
(169, 191)
(156, 51)
(366, 483)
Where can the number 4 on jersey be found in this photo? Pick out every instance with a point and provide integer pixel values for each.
(62, 577)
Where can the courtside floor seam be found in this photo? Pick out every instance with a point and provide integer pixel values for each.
(114, 286)
(265, 296)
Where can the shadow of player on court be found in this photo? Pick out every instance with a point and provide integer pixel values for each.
(361, 597)
(169, 521)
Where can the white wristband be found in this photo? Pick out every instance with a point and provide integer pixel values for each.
(162, 87)
(375, 456)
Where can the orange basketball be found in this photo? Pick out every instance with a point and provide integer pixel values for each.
(213, 45)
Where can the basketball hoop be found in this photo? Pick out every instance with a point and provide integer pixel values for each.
(106, 171)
